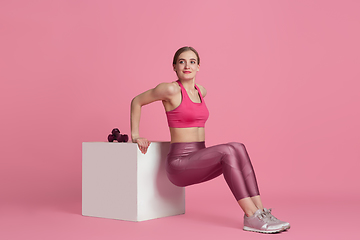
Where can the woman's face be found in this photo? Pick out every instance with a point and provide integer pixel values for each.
(186, 65)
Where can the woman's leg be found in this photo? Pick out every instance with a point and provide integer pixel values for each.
(246, 168)
(248, 206)
(257, 201)
(189, 163)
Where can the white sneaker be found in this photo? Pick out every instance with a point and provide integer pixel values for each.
(286, 225)
(261, 222)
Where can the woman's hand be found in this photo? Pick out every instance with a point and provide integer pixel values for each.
(142, 143)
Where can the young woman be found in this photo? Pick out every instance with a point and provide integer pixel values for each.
(189, 161)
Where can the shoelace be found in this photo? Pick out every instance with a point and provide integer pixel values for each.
(269, 215)
(264, 216)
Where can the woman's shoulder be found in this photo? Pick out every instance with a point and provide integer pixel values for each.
(168, 88)
(202, 90)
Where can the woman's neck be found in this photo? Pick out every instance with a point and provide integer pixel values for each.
(189, 85)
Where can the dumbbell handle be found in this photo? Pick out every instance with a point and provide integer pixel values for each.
(116, 133)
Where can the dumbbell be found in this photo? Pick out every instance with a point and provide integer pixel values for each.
(115, 135)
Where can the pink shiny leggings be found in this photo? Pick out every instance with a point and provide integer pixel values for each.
(191, 163)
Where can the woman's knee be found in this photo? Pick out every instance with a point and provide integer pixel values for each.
(241, 152)
(230, 156)
(232, 153)
(237, 146)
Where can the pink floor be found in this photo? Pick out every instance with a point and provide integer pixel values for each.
(56, 217)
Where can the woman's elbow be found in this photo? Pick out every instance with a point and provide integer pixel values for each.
(135, 103)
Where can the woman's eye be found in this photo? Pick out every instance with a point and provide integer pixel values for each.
(193, 62)
(181, 62)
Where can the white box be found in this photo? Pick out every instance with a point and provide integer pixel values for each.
(120, 182)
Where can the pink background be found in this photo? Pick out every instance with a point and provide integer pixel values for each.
(282, 77)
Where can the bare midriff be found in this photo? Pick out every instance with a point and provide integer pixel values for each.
(192, 134)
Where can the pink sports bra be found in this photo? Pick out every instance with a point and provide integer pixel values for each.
(188, 113)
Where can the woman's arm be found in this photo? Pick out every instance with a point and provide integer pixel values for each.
(163, 92)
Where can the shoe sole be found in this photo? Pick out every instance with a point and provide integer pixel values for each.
(264, 231)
